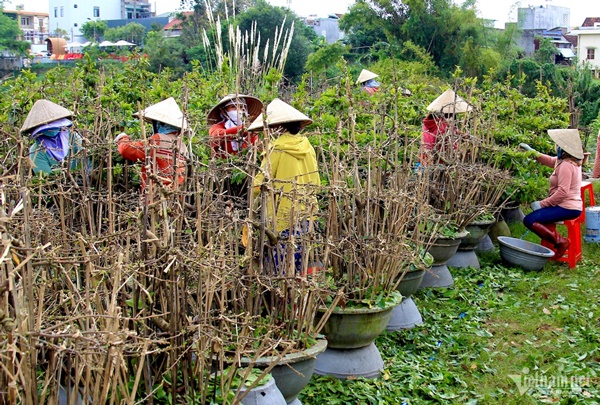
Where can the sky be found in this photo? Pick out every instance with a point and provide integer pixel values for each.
(500, 10)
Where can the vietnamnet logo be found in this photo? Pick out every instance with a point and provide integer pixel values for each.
(527, 381)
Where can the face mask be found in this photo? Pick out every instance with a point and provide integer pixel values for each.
(235, 116)
(162, 128)
(371, 83)
(50, 132)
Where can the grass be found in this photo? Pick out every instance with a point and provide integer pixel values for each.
(541, 328)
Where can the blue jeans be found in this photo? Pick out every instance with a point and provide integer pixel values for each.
(550, 215)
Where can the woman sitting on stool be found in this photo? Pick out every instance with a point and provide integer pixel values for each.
(564, 201)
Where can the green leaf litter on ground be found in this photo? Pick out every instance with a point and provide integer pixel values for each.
(488, 340)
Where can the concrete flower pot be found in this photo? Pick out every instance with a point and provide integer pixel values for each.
(293, 372)
(266, 394)
(465, 255)
(350, 333)
(441, 250)
(407, 315)
(351, 328)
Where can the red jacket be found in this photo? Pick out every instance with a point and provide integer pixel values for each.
(432, 127)
(161, 148)
(225, 142)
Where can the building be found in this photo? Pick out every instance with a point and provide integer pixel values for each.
(34, 24)
(326, 27)
(543, 17)
(588, 44)
(70, 15)
(550, 22)
(174, 26)
(146, 22)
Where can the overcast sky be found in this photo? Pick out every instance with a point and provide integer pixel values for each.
(500, 10)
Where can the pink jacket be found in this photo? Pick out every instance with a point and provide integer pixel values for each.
(565, 184)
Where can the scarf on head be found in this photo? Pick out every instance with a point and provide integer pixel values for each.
(56, 145)
(54, 138)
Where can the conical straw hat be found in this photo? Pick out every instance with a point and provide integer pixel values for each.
(166, 111)
(43, 112)
(449, 103)
(569, 140)
(279, 112)
(254, 105)
(366, 75)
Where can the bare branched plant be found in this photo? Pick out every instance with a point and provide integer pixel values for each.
(467, 183)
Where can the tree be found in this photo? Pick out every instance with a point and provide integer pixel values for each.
(9, 34)
(363, 27)
(326, 57)
(269, 20)
(546, 51)
(453, 35)
(92, 30)
(221, 9)
(132, 32)
(164, 52)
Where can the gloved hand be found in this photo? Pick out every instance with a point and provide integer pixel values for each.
(526, 147)
(121, 135)
(536, 205)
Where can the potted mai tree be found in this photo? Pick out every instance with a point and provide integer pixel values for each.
(372, 211)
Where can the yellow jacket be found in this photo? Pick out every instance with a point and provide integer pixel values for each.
(292, 160)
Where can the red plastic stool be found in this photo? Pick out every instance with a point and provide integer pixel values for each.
(586, 186)
(573, 254)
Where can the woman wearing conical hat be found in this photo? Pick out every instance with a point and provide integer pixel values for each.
(165, 145)
(49, 125)
(367, 80)
(226, 120)
(435, 124)
(564, 199)
(291, 172)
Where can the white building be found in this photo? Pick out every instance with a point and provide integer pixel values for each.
(588, 47)
(70, 15)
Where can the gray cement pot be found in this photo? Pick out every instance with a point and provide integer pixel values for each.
(512, 213)
(444, 248)
(267, 394)
(293, 372)
(351, 328)
(465, 255)
(477, 231)
(407, 315)
(441, 250)
(523, 254)
(363, 362)
(486, 245)
(350, 334)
